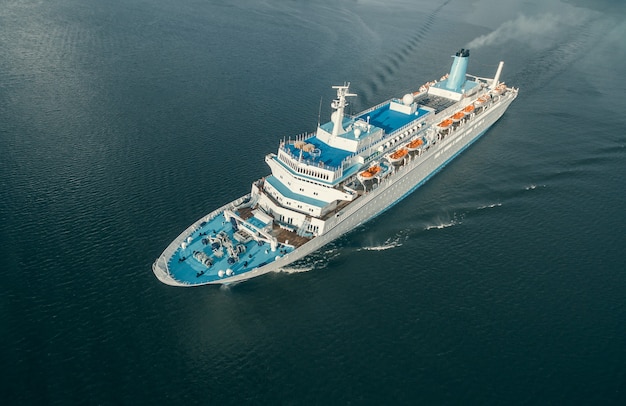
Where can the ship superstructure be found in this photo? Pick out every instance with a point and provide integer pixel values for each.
(325, 183)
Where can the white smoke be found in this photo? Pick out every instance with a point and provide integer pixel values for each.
(539, 31)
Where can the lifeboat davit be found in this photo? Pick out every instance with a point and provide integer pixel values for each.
(445, 124)
(369, 173)
(398, 155)
(415, 144)
(458, 116)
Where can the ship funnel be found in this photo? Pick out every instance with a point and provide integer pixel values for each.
(458, 70)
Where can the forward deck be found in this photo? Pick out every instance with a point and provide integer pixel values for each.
(184, 266)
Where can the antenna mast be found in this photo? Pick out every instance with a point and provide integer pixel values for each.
(339, 104)
(319, 113)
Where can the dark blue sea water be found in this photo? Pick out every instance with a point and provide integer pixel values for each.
(501, 281)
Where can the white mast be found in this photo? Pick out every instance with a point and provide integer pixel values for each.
(494, 83)
(339, 104)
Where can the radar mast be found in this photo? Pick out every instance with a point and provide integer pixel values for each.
(339, 104)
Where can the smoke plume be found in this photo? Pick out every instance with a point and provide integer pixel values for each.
(538, 31)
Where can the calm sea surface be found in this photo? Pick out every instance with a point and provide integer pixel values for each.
(501, 281)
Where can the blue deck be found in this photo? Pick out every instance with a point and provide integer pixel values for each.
(390, 120)
(256, 222)
(191, 271)
(329, 156)
(382, 117)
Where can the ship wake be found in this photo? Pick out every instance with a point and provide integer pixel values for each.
(393, 242)
(533, 186)
(489, 206)
(444, 223)
(441, 225)
(316, 260)
(296, 269)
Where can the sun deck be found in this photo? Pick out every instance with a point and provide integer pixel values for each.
(435, 102)
(327, 156)
(389, 120)
(322, 152)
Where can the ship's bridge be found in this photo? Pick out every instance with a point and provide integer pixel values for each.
(328, 157)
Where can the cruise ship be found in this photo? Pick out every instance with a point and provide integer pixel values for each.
(325, 183)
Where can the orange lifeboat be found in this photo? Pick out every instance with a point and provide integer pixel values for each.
(445, 124)
(415, 144)
(370, 172)
(458, 116)
(398, 155)
(468, 109)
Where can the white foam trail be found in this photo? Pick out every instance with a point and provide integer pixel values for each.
(440, 226)
(490, 206)
(393, 242)
(318, 260)
(539, 31)
(292, 269)
(381, 247)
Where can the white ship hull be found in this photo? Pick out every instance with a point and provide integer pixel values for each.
(319, 188)
(393, 189)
